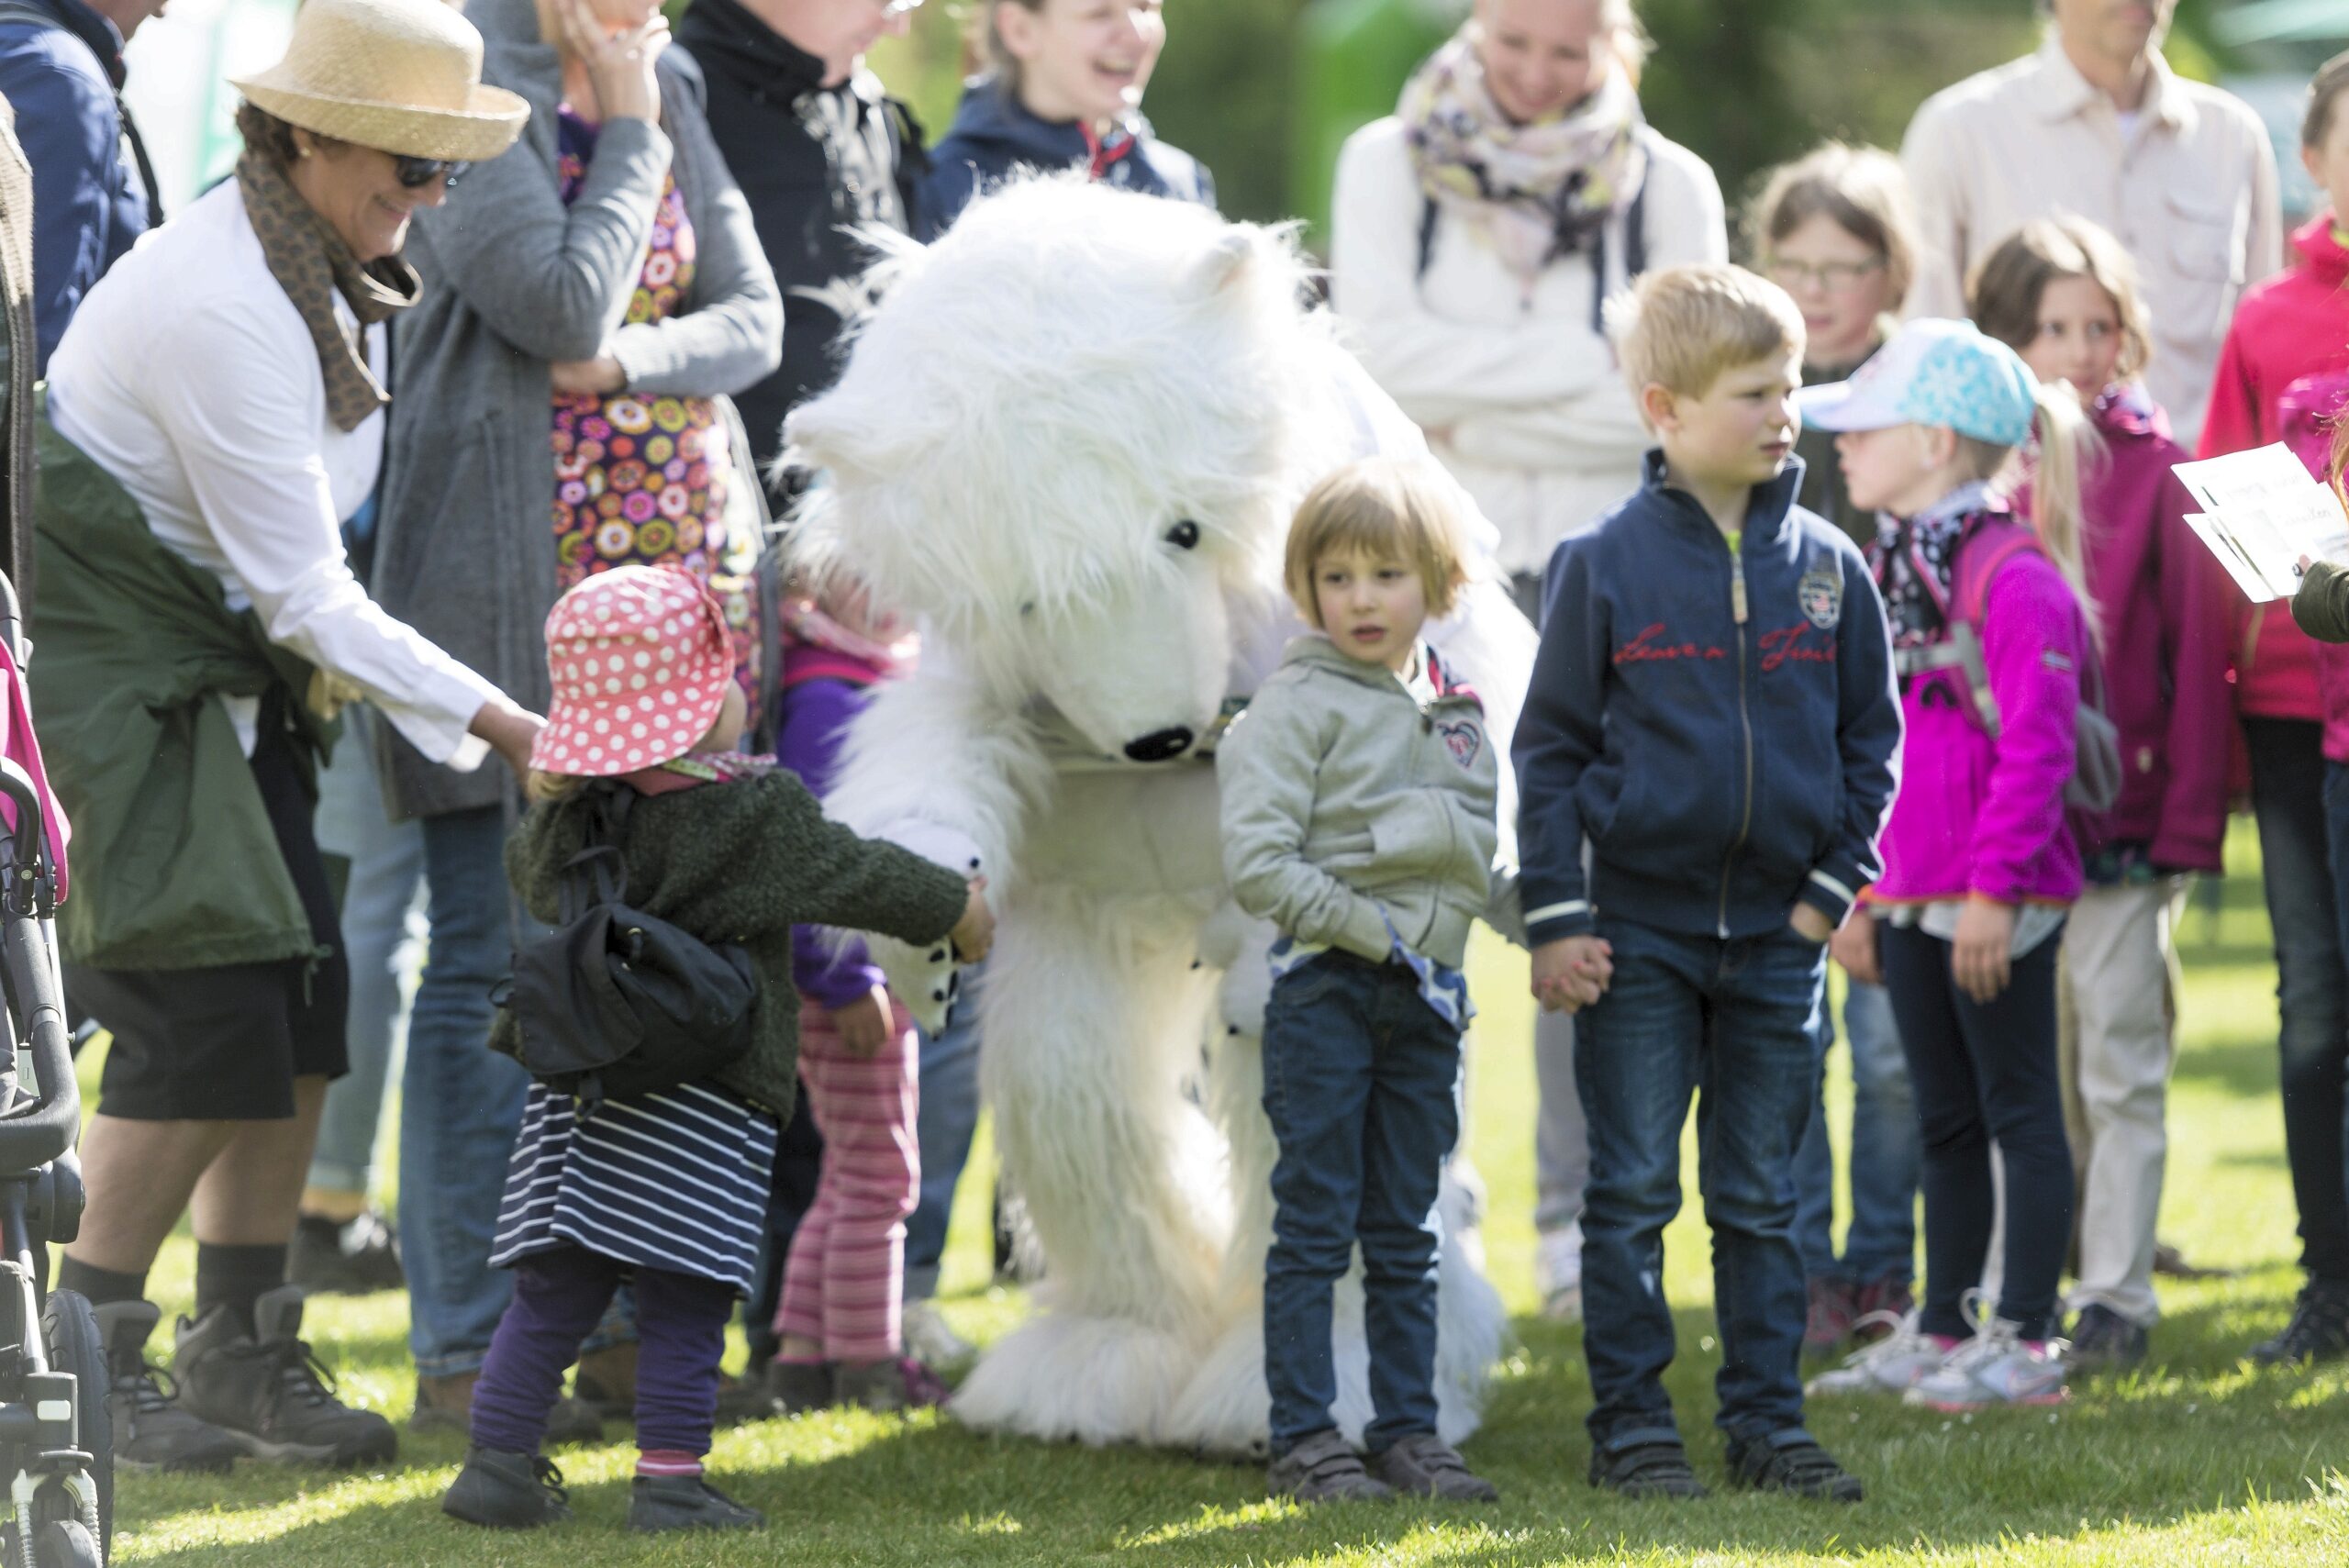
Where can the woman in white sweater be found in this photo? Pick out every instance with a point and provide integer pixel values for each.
(1478, 233)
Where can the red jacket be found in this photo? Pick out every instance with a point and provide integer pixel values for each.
(2284, 370)
(2164, 615)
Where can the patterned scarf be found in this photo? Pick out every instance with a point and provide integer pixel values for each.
(311, 263)
(1913, 560)
(1535, 192)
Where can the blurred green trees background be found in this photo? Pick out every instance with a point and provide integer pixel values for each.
(1743, 83)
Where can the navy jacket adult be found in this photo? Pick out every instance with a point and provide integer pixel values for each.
(1721, 723)
(60, 65)
(815, 162)
(994, 134)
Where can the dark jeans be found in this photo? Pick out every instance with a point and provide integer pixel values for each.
(1731, 1022)
(1358, 1073)
(1985, 1073)
(2296, 797)
(559, 1298)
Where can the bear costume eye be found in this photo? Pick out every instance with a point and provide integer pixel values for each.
(1184, 535)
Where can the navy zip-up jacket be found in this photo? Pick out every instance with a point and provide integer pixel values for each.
(994, 134)
(1722, 725)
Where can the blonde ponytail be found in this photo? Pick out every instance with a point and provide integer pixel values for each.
(2065, 444)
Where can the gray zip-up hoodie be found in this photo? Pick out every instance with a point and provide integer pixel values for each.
(1348, 804)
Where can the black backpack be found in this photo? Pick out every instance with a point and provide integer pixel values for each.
(615, 1002)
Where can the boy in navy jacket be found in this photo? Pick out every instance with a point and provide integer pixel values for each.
(1713, 710)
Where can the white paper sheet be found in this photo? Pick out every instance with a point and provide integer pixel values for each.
(2261, 511)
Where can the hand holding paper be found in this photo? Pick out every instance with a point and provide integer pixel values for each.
(2266, 517)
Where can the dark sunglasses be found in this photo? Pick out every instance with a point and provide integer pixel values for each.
(414, 171)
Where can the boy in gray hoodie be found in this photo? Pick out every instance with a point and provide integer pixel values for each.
(1359, 790)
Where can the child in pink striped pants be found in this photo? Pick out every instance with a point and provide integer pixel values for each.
(842, 1284)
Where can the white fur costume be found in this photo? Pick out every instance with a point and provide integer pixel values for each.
(1070, 437)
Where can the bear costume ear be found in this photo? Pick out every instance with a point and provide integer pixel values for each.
(1226, 263)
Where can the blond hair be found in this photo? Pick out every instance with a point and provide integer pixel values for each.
(2063, 446)
(544, 788)
(2007, 286)
(1860, 189)
(1681, 328)
(1387, 510)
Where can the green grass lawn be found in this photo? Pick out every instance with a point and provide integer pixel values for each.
(2194, 1460)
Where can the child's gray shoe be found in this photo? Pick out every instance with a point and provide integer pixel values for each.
(1424, 1465)
(796, 1388)
(1324, 1469)
(662, 1503)
(505, 1490)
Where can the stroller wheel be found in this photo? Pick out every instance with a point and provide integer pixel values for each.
(69, 1332)
(63, 1543)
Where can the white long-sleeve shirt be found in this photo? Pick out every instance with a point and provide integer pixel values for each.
(1521, 398)
(188, 375)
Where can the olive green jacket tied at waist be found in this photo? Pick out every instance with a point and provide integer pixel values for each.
(742, 862)
(174, 862)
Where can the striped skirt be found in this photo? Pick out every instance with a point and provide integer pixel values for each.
(677, 1180)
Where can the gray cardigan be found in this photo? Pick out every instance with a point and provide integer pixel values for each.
(513, 280)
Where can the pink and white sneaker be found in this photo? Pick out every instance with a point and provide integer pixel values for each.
(1998, 1366)
(1890, 1364)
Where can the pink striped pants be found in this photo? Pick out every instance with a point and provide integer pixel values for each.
(842, 1283)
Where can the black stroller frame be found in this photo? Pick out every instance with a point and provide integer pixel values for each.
(56, 1440)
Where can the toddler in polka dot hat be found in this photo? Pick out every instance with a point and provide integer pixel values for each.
(643, 674)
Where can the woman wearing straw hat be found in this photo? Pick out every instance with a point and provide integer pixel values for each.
(228, 376)
(588, 303)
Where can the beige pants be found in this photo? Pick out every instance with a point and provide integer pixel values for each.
(2116, 1010)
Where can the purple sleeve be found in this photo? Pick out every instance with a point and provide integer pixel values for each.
(2031, 642)
(816, 715)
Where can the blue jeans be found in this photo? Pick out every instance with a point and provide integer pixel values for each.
(1732, 1022)
(949, 1120)
(386, 868)
(1881, 1243)
(461, 1102)
(1359, 1078)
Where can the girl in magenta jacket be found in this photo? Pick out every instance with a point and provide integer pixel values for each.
(2062, 293)
(1979, 865)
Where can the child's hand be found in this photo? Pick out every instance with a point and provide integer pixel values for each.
(1809, 923)
(865, 1023)
(1978, 959)
(974, 934)
(1572, 972)
(1853, 947)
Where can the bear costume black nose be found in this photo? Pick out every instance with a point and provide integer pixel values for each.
(1160, 745)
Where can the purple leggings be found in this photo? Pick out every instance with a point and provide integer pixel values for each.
(559, 1298)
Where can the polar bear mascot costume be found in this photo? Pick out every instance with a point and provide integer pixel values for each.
(1069, 437)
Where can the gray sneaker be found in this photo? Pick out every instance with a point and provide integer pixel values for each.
(151, 1431)
(269, 1391)
(1324, 1469)
(1424, 1465)
(658, 1504)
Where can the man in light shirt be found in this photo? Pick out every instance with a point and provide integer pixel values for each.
(2096, 125)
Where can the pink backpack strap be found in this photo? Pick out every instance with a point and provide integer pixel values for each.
(1984, 552)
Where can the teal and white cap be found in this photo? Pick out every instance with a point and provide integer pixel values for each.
(1932, 372)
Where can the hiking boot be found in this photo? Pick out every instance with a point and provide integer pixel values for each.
(1323, 1469)
(1834, 1310)
(1800, 1468)
(505, 1490)
(659, 1503)
(1557, 1264)
(270, 1393)
(1896, 1355)
(2103, 1341)
(1645, 1470)
(1424, 1465)
(1998, 1366)
(741, 1399)
(932, 1340)
(1881, 1304)
(605, 1382)
(901, 1385)
(796, 1388)
(151, 1431)
(357, 1257)
(445, 1403)
(2319, 1330)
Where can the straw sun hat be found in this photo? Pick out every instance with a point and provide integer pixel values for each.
(402, 76)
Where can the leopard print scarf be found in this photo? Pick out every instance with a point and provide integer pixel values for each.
(310, 263)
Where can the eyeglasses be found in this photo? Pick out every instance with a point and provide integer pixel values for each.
(415, 172)
(1830, 277)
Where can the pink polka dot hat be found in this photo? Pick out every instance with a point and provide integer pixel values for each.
(640, 662)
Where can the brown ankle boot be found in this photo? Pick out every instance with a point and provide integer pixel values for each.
(445, 1403)
(606, 1380)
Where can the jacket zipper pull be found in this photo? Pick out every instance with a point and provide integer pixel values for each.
(1737, 594)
